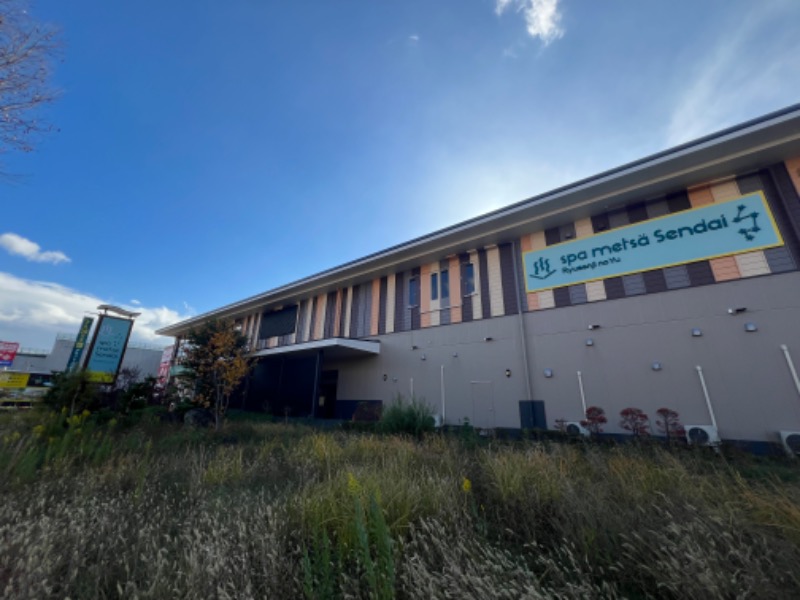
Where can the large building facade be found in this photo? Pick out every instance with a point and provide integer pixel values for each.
(668, 282)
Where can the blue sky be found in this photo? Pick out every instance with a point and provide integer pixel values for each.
(209, 150)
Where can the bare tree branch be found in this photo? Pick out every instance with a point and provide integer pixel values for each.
(27, 51)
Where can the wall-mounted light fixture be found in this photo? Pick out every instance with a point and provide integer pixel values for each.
(414, 347)
(593, 327)
(589, 342)
(385, 377)
(697, 332)
(488, 339)
(750, 327)
(736, 311)
(424, 357)
(656, 366)
(394, 379)
(548, 373)
(508, 372)
(455, 354)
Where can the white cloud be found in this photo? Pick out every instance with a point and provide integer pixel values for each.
(413, 38)
(136, 302)
(747, 73)
(542, 17)
(32, 312)
(20, 246)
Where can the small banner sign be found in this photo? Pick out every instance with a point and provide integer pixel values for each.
(80, 344)
(9, 379)
(8, 351)
(108, 349)
(722, 229)
(163, 367)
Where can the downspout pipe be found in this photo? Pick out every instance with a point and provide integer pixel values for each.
(706, 395)
(790, 364)
(521, 320)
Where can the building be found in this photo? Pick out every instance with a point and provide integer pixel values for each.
(670, 282)
(141, 357)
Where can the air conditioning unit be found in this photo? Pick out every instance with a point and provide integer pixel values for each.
(702, 435)
(575, 428)
(791, 442)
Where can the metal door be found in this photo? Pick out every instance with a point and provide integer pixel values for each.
(482, 404)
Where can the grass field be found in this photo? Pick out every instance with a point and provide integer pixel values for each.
(269, 510)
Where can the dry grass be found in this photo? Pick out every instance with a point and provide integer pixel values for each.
(277, 511)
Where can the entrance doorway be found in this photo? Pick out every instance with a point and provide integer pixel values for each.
(326, 396)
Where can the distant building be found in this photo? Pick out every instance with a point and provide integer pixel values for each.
(143, 357)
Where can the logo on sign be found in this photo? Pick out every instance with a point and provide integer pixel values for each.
(542, 269)
(747, 232)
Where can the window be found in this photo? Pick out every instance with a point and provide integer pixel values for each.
(434, 286)
(444, 282)
(413, 291)
(468, 274)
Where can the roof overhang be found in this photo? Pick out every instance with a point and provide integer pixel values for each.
(333, 348)
(734, 151)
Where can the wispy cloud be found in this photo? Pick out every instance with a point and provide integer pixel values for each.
(747, 72)
(542, 17)
(413, 38)
(32, 312)
(20, 246)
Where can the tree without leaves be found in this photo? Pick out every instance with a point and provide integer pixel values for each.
(670, 425)
(26, 52)
(595, 419)
(216, 362)
(635, 421)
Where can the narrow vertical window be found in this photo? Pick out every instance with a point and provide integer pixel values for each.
(469, 278)
(434, 286)
(444, 281)
(413, 292)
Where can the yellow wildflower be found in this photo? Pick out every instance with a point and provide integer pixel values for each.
(38, 430)
(466, 486)
(353, 486)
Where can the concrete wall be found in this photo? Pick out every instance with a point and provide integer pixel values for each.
(750, 385)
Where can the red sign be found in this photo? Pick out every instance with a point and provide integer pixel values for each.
(163, 368)
(8, 351)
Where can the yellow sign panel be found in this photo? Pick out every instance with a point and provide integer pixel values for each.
(13, 380)
(99, 377)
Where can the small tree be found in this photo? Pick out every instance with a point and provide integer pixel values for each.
(595, 419)
(216, 362)
(635, 421)
(669, 424)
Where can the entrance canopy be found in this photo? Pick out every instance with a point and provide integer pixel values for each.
(334, 348)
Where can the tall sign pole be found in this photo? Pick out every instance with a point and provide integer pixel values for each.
(80, 343)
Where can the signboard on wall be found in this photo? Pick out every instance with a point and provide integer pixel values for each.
(80, 344)
(8, 351)
(740, 225)
(9, 379)
(108, 349)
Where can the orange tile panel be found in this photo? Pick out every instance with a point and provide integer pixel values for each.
(525, 243)
(455, 290)
(725, 191)
(793, 166)
(725, 268)
(700, 196)
(337, 318)
(583, 228)
(425, 295)
(533, 301)
(376, 307)
(538, 241)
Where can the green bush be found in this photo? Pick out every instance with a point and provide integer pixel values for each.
(413, 418)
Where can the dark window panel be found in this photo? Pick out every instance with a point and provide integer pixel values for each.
(654, 281)
(279, 322)
(779, 260)
(384, 294)
(637, 213)
(552, 236)
(700, 273)
(561, 296)
(483, 265)
(510, 303)
(614, 288)
(600, 223)
(678, 201)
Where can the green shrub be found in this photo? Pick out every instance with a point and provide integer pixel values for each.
(413, 418)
